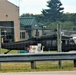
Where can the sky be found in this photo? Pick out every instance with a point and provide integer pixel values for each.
(36, 6)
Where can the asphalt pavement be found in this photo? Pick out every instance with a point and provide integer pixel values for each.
(42, 73)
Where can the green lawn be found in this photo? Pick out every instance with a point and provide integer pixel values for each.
(40, 66)
(11, 52)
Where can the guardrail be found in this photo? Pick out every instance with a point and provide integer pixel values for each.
(31, 57)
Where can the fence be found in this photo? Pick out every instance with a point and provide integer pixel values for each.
(31, 57)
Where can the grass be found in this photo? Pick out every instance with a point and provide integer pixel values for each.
(11, 52)
(40, 66)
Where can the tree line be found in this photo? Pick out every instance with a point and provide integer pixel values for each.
(54, 13)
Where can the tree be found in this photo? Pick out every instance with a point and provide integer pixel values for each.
(73, 18)
(39, 17)
(27, 15)
(54, 12)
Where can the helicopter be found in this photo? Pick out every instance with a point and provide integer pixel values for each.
(48, 41)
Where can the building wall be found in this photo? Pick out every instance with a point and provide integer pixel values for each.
(27, 36)
(10, 12)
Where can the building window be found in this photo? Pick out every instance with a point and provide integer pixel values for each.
(22, 35)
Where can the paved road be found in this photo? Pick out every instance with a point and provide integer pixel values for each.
(42, 73)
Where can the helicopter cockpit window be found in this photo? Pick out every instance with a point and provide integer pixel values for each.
(75, 41)
(71, 42)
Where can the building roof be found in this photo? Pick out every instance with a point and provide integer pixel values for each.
(27, 21)
(8, 2)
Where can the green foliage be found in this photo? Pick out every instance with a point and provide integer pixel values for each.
(67, 25)
(73, 18)
(68, 21)
(26, 15)
(54, 11)
(52, 25)
(68, 17)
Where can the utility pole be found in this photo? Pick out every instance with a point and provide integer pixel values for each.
(59, 42)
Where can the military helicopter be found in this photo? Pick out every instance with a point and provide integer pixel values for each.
(48, 41)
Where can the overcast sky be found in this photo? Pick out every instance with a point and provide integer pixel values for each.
(36, 6)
